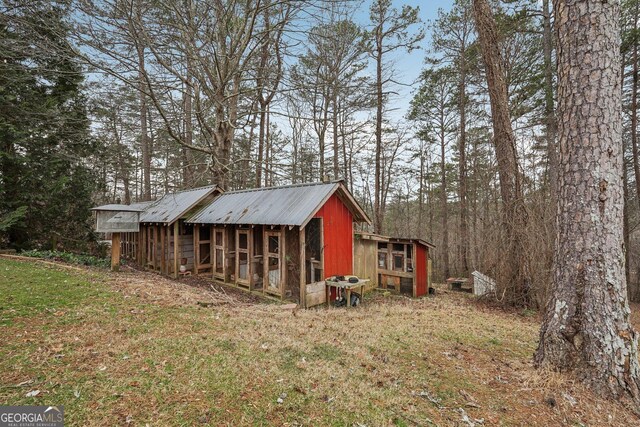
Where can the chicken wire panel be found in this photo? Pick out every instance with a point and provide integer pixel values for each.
(117, 222)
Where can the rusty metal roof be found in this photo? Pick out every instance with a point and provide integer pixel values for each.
(175, 205)
(286, 205)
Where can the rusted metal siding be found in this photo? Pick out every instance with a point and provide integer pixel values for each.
(421, 272)
(338, 237)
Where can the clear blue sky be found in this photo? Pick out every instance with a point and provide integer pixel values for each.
(408, 66)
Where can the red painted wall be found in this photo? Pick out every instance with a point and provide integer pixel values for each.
(337, 222)
(421, 270)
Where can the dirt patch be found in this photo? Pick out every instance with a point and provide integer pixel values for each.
(154, 288)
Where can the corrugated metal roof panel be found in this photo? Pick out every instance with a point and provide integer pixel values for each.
(173, 206)
(118, 208)
(142, 205)
(288, 205)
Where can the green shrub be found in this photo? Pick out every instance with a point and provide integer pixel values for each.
(69, 257)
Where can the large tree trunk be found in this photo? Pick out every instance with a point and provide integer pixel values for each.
(634, 105)
(463, 247)
(188, 167)
(549, 110)
(514, 274)
(187, 156)
(261, 133)
(336, 146)
(586, 327)
(145, 144)
(378, 219)
(443, 199)
(421, 193)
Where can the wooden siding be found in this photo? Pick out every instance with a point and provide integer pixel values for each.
(338, 237)
(421, 272)
(365, 262)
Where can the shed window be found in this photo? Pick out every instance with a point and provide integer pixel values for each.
(398, 262)
(273, 244)
(382, 260)
(242, 240)
(205, 233)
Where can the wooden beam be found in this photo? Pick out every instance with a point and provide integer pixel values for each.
(282, 256)
(154, 247)
(303, 265)
(225, 255)
(236, 267)
(165, 253)
(250, 258)
(115, 252)
(143, 245)
(176, 241)
(265, 259)
(196, 248)
(212, 250)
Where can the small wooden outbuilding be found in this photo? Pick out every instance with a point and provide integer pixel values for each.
(119, 221)
(282, 241)
(401, 264)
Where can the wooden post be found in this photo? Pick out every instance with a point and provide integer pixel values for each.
(236, 266)
(250, 257)
(284, 268)
(115, 252)
(265, 258)
(176, 242)
(303, 273)
(163, 258)
(143, 245)
(196, 248)
(167, 231)
(212, 250)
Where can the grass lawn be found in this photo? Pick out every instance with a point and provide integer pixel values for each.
(135, 349)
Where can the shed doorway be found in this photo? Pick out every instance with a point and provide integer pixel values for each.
(243, 251)
(274, 248)
(219, 245)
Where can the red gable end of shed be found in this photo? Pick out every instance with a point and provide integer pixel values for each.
(337, 222)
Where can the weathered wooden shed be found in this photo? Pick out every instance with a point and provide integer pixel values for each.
(282, 241)
(119, 221)
(162, 223)
(400, 264)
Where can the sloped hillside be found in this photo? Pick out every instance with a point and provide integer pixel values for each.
(138, 349)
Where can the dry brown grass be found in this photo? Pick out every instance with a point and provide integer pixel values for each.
(143, 351)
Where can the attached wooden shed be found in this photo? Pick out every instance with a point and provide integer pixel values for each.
(400, 264)
(162, 223)
(282, 241)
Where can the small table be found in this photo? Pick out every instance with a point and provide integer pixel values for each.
(346, 285)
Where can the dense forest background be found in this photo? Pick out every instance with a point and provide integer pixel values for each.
(125, 100)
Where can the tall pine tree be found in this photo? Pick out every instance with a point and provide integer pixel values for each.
(45, 186)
